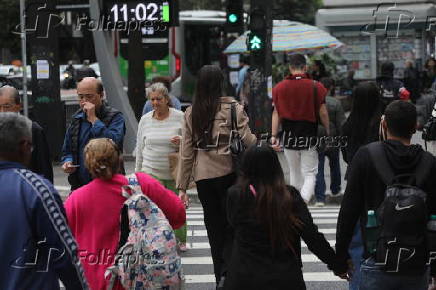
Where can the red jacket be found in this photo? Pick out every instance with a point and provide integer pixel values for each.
(93, 213)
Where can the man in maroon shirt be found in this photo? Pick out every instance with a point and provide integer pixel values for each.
(299, 102)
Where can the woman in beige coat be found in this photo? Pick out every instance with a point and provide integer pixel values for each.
(206, 156)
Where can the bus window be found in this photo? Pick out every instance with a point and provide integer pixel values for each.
(202, 46)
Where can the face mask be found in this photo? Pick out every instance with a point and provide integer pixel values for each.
(381, 132)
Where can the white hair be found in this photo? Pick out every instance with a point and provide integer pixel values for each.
(13, 129)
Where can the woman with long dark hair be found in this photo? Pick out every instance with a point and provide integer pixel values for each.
(205, 155)
(362, 125)
(361, 128)
(269, 218)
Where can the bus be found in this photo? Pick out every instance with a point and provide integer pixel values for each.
(197, 41)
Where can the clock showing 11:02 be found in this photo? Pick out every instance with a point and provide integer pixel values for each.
(140, 11)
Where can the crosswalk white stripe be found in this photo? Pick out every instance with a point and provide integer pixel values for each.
(314, 215)
(308, 277)
(313, 210)
(203, 233)
(206, 246)
(207, 260)
(316, 221)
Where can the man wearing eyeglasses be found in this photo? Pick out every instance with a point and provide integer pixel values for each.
(94, 119)
(41, 161)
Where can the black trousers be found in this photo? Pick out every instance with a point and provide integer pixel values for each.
(213, 197)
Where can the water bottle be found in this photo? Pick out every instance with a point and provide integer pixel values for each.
(371, 232)
(431, 235)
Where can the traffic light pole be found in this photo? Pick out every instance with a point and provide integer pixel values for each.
(136, 79)
(259, 108)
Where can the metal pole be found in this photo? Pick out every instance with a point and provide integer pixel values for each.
(24, 57)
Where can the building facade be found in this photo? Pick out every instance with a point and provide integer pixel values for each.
(376, 31)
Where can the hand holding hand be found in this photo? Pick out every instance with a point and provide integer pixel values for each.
(184, 197)
(432, 286)
(67, 167)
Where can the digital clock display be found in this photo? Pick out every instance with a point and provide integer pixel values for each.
(140, 11)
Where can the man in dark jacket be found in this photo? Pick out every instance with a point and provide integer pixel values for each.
(41, 161)
(390, 88)
(36, 245)
(95, 119)
(336, 120)
(366, 191)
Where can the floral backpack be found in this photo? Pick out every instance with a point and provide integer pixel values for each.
(149, 259)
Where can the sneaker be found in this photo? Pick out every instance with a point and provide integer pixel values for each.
(319, 204)
(182, 247)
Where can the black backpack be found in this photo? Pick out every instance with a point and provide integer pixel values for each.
(389, 91)
(402, 216)
(429, 128)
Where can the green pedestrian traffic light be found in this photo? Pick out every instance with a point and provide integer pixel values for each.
(233, 18)
(254, 42)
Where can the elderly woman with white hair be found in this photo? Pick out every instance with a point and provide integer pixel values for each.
(159, 135)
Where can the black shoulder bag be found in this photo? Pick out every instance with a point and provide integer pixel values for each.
(237, 147)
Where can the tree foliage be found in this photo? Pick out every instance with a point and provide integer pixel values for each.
(296, 10)
(9, 19)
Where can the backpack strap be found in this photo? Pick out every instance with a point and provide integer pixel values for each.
(424, 168)
(385, 170)
(381, 163)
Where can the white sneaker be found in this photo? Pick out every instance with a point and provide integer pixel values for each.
(319, 204)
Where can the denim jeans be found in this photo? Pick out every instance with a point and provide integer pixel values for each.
(356, 252)
(335, 174)
(372, 277)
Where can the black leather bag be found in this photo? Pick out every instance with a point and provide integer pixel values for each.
(237, 147)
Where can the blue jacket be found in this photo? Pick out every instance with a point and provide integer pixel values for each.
(36, 245)
(115, 131)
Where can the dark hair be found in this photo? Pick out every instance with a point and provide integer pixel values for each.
(428, 60)
(328, 83)
(245, 59)
(274, 201)
(165, 80)
(99, 87)
(210, 88)
(401, 118)
(321, 66)
(297, 61)
(365, 111)
(387, 69)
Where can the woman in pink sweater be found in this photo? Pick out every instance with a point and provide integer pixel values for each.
(93, 211)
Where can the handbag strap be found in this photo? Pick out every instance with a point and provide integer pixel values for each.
(315, 96)
(234, 118)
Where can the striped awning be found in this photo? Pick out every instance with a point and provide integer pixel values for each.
(291, 36)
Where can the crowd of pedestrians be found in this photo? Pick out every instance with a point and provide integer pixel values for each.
(254, 220)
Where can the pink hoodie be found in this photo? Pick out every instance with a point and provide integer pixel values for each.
(93, 213)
